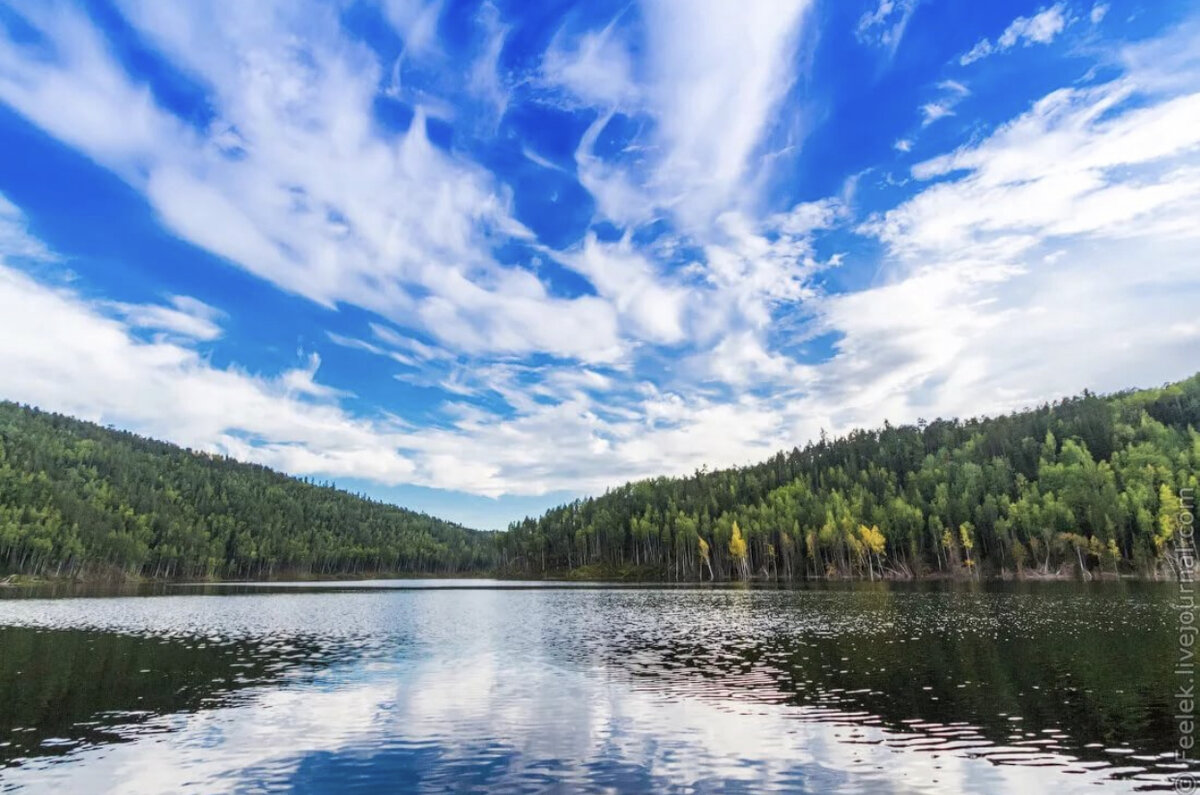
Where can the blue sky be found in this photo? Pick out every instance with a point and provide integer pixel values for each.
(481, 258)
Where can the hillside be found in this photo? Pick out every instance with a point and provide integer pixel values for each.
(1088, 483)
(1091, 484)
(77, 498)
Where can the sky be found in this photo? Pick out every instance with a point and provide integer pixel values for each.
(481, 258)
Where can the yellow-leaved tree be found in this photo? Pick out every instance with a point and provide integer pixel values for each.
(704, 557)
(1113, 555)
(873, 543)
(966, 531)
(1169, 508)
(737, 551)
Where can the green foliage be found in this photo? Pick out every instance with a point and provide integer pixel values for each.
(76, 498)
(1088, 483)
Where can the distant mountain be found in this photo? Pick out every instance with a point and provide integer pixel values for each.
(78, 498)
(1090, 484)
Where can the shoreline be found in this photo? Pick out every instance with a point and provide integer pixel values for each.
(18, 581)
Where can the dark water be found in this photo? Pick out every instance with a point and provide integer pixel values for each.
(1043, 687)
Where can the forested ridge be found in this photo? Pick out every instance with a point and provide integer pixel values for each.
(1085, 486)
(80, 499)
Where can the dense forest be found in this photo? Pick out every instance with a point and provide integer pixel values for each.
(80, 499)
(1085, 486)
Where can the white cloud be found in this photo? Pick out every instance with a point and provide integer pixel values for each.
(954, 88)
(1051, 171)
(952, 92)
(932, 111)
(292, 180)
(902, 145)
(652, 308)
(597, 68)
(574, 428)
(513, 713)
(1186, 330)
(1041, 28)
(619, 195)
(91, 366)
(14, 240)
(487, 80)
(416, 22)
(186, 317)
(1054, 253)
(885, 26)
(714, 73)
(718, 71)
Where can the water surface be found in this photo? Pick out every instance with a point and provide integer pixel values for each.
(471, 685)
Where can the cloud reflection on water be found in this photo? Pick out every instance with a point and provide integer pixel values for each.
(528, 690)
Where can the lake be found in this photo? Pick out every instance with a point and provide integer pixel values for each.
(498, 686)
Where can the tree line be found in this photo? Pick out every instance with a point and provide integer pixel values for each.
(77, 498)
(1091, 484)
(1097, 485)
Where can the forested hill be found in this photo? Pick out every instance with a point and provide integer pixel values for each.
(79, 498)
(1088, 485)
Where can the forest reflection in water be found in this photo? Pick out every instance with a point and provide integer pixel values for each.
(851, 688)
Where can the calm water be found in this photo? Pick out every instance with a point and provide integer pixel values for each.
(377, 689)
